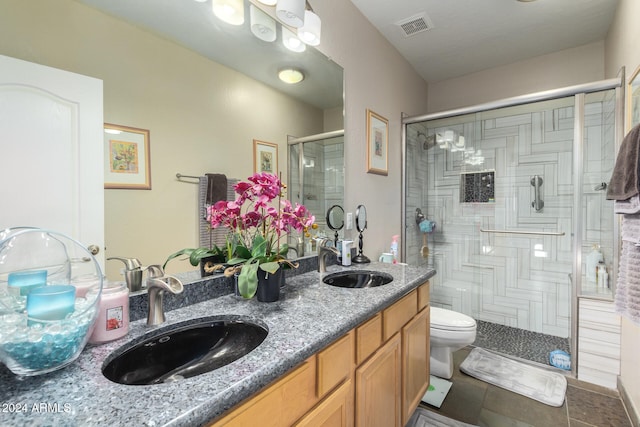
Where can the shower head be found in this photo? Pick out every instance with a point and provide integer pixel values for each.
(426, 141)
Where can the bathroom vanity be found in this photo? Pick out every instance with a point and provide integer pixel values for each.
(356, 355)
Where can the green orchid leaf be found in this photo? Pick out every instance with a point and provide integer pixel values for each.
(248, 280)
(259, 248)
(284, 250)
(242, 252)
(270, 267)
(175, 255)
(198, 254)
(236, 261)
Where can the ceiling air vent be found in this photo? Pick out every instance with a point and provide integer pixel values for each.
(414, 25)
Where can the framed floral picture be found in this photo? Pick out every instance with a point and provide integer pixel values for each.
(634, 99)
(377, 144)
(127, 158)
(265, 157)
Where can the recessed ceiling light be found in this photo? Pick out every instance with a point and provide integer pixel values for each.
(291, 75)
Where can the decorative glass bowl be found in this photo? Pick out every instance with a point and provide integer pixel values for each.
(47, 313)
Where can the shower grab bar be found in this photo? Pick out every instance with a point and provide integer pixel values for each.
(537, 203)
(538, 233)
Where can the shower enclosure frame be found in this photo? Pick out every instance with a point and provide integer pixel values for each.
(578, 92)
(292, 141)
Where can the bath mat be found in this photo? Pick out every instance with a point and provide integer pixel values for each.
(437, 391)
(536, 383)
(425, 418)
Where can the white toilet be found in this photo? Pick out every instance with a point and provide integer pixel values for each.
(450, 331)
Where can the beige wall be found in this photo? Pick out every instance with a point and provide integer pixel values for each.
(559, 69)
(621, 49)
(202, 117)
(376, 78)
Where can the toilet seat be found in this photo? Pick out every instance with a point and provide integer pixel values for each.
(451, 320)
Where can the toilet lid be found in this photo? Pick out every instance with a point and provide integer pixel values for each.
(446, 319)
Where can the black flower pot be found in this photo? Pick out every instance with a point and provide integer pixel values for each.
(269, 285)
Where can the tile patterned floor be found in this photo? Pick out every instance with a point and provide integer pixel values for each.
(518, 342)
(476, 402)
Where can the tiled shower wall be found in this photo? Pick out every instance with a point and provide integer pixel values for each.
(323, 177)
(510, 279)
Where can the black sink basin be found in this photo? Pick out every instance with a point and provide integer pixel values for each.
(358, 279)
(184, 352)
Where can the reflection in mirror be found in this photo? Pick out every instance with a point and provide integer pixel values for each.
(361, 225)
(316, 177)
(335, 221)
(215, 112)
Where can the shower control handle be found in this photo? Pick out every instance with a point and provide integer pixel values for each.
(537, 203)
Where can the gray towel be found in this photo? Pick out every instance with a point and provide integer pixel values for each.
(216, 188)
(624, 180)
(627, 298)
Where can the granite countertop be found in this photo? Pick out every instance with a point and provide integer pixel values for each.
(309, 316)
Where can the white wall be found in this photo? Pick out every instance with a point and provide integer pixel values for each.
(377, 78)
(568, 67)
(621, 49)
(198, 124)
(202, 116)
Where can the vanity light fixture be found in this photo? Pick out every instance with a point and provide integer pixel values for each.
(291, 41)
(291, 12)
(310, 30)
(290, 75)
(229, 11)
(262, 25)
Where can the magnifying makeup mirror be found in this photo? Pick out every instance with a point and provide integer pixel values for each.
(335, 221)
(361, 225)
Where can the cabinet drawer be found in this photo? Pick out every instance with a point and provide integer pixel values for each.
(368, 338)
(334, 411)
(335, 364)
(396, 316)
(281, 403)
(423, 296)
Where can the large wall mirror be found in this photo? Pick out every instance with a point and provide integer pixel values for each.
(203, 88)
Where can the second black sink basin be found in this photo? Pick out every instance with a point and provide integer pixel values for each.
(185, 352)
(357, 279)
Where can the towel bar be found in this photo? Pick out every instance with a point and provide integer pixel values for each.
(180, 176)
(539, 233)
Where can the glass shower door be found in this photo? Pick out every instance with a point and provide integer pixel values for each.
(316, 177)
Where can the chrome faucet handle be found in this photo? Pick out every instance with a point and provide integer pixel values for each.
(154, 271)
(155, 288)
(130, 263)
(323, 251)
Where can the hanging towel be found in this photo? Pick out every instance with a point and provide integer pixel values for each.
(216, 188)
(629, 206)
(624, 180)
(627, 298)
(209, 236)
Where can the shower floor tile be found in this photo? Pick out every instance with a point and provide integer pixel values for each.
(518, 342)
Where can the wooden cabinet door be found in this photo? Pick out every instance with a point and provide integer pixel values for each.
(378, 387)
(415, 363)
(336, 410)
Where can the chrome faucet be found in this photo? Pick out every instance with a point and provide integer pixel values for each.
(323, 252)
(156, 286)
(132, 273)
